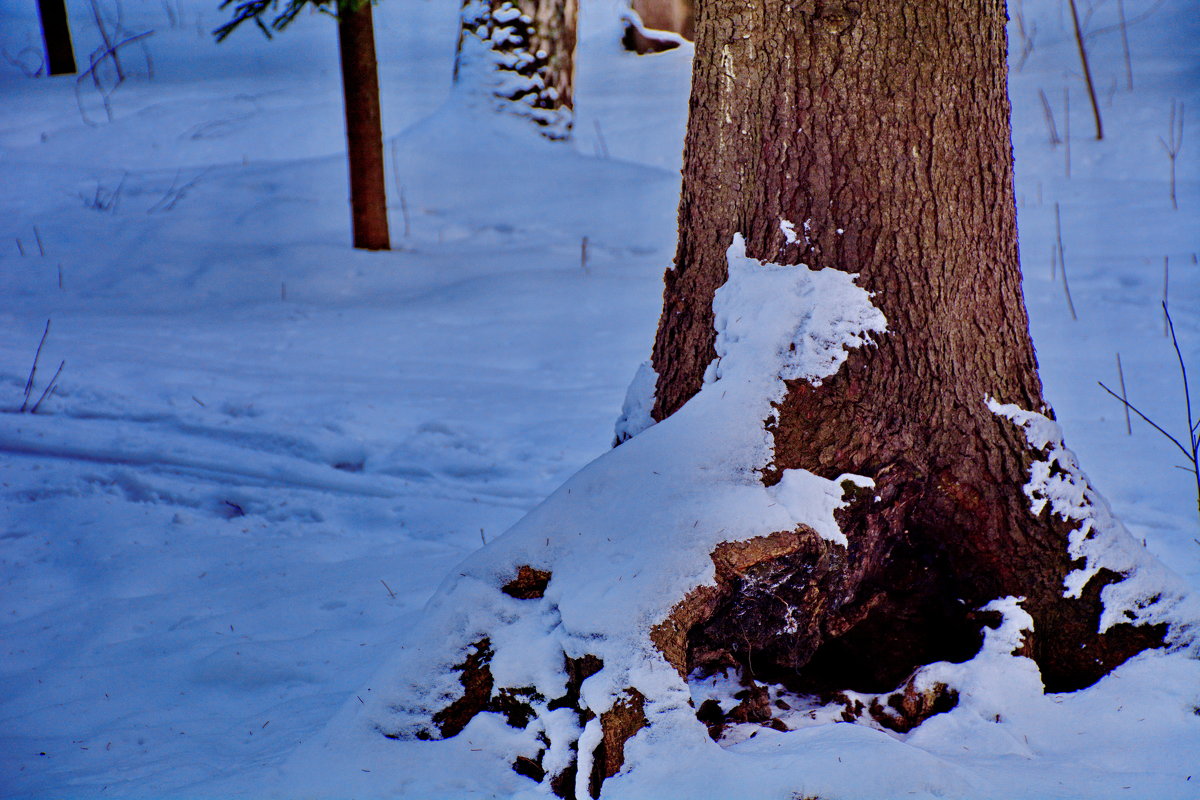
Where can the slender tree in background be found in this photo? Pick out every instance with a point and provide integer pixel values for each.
(882, 131)
(56, 33)
(520, 55)
(364, 127)
(360, 91)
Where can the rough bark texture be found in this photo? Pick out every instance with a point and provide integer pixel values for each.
(364, 130)
(881, 130)
(531, 45)
(56, 34)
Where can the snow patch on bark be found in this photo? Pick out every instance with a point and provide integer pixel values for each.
(1149, 593)
(778, 323)
(788, 228)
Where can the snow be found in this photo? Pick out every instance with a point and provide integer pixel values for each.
(267, 452)
(639, 403)
(788, 228)
(1148, 593)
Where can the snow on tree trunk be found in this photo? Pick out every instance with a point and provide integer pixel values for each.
(520, 55)
(364, 128)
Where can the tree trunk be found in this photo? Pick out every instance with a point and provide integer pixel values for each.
(881, 130)
(56, 33)
(521, 54)
(364, 130)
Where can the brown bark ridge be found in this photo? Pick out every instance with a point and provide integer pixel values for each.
(523, 51)
(56, 35)
(881, 131)
(364, 128)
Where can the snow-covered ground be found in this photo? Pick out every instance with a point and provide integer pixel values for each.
(265, 450)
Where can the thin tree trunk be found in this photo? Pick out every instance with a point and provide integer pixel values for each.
(56, 33)
(364, 129)
(881, 130)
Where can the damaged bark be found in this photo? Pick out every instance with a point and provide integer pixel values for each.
(530, 584)
(882, 131)
(476, 678)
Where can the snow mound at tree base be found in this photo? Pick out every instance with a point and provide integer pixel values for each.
(539, 646)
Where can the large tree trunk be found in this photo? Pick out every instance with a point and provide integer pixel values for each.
(56, 34)
(881, 130)
(520, 54)
(364, 128)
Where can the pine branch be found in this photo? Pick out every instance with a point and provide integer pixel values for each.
(267, 16)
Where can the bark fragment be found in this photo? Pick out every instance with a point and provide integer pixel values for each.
(618, 725)
(530, 583)
(475, 675)
(530, 768)
(908, 708)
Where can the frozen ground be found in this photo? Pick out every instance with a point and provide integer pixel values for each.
(266, 450)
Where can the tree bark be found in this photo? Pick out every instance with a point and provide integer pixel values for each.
(523, 52)
(881, 130)
(364, 129)
(56, 33)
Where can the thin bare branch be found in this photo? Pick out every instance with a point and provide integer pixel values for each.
(1062, 261)
(1121, 376)
(33, 369)
(1087, 70)
(49, 388)
(1148, 421)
